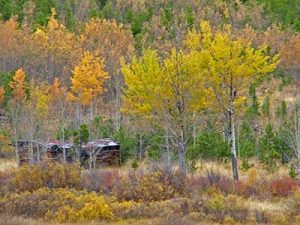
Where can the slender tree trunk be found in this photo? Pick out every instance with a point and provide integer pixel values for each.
(117, 105)
(168, 148)
(14, 123)
(232, 142)
(91, 109)
(78, 115)
(141, 146)
(63, 140)
(194, 130)
(31, 153)
(182, 151)
(181, 155)
(62, 124)
(297, 136)
(298, 169)
(91, 162)
(238, 142)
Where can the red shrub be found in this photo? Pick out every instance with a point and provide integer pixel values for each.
(226, 185)
(283, 186)
(153, 186)
(101, 180)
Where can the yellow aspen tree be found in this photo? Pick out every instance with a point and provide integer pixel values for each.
(42, 105)
(33, 120)
(231, 65)
(55, 50)
(88, 80)
(113, 42)
(169, 91)
(18, 85)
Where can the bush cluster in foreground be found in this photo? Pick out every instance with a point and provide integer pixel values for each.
(73, 195)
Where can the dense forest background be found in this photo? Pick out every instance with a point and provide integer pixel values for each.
(49, 47)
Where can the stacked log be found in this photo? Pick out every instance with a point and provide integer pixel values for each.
(109, 157)
(104, 152)
(29, 152)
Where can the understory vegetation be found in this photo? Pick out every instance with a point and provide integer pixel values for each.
(151, 192)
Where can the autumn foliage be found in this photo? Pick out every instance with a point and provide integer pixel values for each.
(18, 85)
(179, 84)
(88, 79)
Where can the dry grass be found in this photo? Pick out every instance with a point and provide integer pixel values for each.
(9, 220)
(224, 169)
(6, 164)
(278, 206)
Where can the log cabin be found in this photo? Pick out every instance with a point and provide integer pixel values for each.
(102, 152)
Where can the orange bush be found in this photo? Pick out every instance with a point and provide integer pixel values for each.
(51, 175)
(155, 186)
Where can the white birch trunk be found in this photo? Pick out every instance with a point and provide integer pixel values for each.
(232, 141)
(182, 151)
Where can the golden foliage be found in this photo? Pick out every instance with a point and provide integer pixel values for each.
(32, 177)
(59, 205)
(146, 188)
(85, 207)
(229, 63)
(18, 85)
(162, 88)
(88, 79)
(54, 49)
(112, 49)
(39, 99)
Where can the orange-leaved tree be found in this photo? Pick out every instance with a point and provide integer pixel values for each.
(87, 82)
(18, 85)
(113, 42)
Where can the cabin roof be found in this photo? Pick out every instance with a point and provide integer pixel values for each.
(100, 143)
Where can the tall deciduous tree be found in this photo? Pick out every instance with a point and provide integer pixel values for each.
(18, 85)
(13, 41)
(59, 104)
(87, 80)
(231, 66)
(113, 42)
(295, 141)
(169, 91)
(53, 51)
